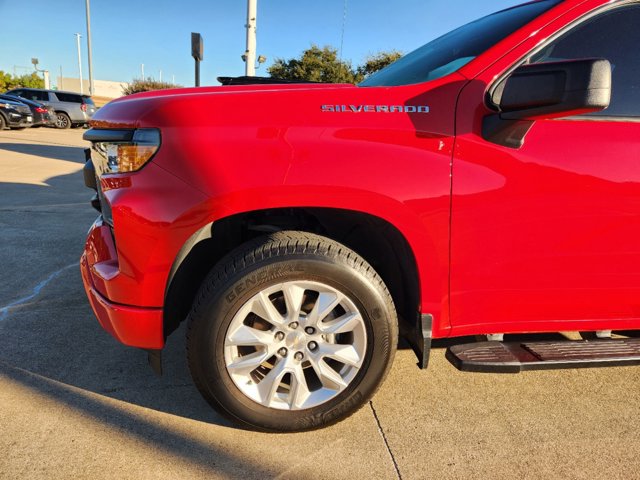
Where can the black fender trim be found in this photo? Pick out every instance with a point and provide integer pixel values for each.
(420, 339)
(204, 233)
(155, 361)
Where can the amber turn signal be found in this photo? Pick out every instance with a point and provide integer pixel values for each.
(132, 156)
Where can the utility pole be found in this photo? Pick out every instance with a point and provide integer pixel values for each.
(89, 49)
(79, 61)
(250, 53)
(142, 68)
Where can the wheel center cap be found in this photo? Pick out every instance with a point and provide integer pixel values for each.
(295, 340)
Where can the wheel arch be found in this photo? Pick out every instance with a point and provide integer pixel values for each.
(381, 243)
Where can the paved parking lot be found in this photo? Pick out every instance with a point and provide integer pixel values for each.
(76, 404)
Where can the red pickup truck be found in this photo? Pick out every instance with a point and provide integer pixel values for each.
(487, 183)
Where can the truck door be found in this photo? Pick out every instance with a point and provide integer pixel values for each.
(546, 237)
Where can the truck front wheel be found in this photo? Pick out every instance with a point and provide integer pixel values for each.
(291, 332)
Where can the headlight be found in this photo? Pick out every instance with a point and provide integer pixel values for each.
(123, 157)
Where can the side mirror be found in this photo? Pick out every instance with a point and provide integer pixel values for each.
(545, 91)
(557, 89)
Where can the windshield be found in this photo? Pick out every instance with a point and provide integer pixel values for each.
(452, 51)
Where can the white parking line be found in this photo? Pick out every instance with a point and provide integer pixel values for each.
(4, 311)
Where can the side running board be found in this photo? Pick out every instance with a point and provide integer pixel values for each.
(514, 357)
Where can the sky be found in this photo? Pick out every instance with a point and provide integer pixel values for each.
(127, 34)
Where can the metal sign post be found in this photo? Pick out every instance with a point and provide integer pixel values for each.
(197, 52)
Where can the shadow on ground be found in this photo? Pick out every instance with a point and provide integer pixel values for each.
(52, 345)
(57, 152)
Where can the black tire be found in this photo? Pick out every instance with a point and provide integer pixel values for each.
(267, 262)
(63, 121)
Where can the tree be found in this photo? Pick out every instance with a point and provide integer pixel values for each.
(376, 62)
(316, 65)
(138, 86)
(323, 65)
(9, 82)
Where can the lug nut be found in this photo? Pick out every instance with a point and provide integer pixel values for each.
(298, 356)
(310, 330)
(280, 336)
(312, 345)
(293, 325)
(282, 352)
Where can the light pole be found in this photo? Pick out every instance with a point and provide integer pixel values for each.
(250, 53)
(45, 73)
(89, 49)
(79, 60)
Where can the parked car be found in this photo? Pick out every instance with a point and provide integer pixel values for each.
(486, 184)
(43, 115)
(15, 115)
(72, 109)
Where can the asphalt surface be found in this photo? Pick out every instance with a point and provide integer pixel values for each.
(76, 404)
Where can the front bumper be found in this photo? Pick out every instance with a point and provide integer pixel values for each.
(134, 326)
(18, 120)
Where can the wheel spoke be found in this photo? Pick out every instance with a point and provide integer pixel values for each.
(269, 384)
(325, 303)
(293, 296)
(248, 363)
(346, 354)
(244, 335)
(345, 323)
(327, 375)
(299, 389)
(264, 308)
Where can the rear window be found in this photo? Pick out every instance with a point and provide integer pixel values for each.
(88, 100)
(69, 97)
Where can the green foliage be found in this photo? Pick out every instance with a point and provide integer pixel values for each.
(8, 81)
(377, 62)
(137, 86)
(323, 65)
(316, 65)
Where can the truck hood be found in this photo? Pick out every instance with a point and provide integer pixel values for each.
(206, 104)
(308, 105)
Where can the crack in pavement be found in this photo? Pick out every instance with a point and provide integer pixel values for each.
(4, 311)
(386, 442)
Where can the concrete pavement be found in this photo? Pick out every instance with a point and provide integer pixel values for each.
(76, 404)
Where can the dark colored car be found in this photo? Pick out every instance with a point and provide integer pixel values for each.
(43, 115)
(15, 115)
(72, 109)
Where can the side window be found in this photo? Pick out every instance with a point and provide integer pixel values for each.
(39, 96)
(69, 97)
(30, 94)
(614, 35)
